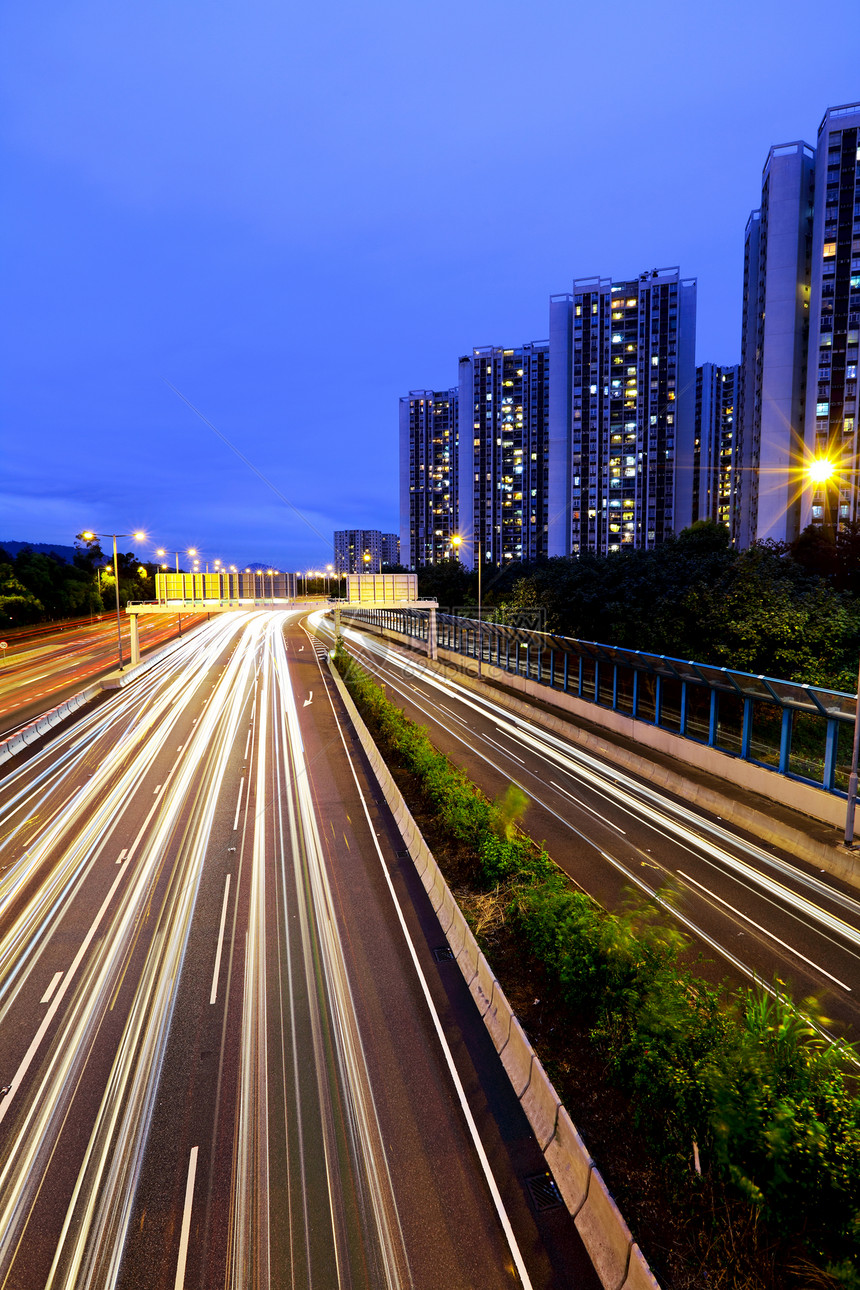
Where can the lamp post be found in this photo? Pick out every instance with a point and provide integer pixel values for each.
(192, 550)
(820, 471)
(88, 536)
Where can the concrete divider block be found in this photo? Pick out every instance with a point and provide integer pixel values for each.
(541, 1104)
(499, 1017)
(604, 1234)
(445, 912)
(639, 1275)
(440, 886)
(568, 1158)
(468, 955)
(517, 1058)
(457, 932)
(483, 986)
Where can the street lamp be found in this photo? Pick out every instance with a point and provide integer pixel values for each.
(88, 536)
(820, 471)
(192, 550)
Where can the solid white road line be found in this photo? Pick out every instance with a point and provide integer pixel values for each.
(247, 742)
(502, 749)
(586, 807)
(440, 1034)
(179, 1283)
(46, 997)
(214, 994)
(18, 1077)
(770, 935)
(238, 804)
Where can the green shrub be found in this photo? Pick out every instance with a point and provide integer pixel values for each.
(768, 1100)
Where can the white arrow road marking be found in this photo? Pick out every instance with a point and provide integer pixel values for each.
(309, 699)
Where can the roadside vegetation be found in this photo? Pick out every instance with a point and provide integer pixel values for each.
(726, 1124)
(36, 587)
(787, 612)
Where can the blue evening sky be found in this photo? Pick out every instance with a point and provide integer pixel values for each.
(295, 213)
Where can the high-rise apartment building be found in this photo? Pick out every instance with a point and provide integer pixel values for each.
(428, 475)
(714, 464)
(504, 453)
(774, 336)
(622, 412)
(363, 550)
(390, 549)
(834, 319)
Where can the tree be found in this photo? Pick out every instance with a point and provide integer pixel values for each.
(18, 606)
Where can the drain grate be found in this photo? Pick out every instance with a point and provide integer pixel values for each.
(443, 954)
(402, 854)
(544, 1192)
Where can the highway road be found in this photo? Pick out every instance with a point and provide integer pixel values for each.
(230, 1057)
(44, 665)
(757, 913)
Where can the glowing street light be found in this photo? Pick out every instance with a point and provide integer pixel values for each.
(821, 470)
(88, 535)
(192, 550)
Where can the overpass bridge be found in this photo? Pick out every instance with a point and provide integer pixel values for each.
(255, 590)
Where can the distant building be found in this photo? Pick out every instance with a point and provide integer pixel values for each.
(504, 453)
(428, 476)
(364, 550)
(390, 549)
(834, 318)
(622, 412)
(714, 465)
(774, 338)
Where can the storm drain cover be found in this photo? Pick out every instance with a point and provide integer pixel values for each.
(544, 1192)
(402, 854)
(443, 954)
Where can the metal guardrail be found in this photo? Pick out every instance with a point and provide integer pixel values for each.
(800, 731)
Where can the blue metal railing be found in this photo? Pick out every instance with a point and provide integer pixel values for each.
(801, 731)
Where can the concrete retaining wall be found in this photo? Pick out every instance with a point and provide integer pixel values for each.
(617, 1259)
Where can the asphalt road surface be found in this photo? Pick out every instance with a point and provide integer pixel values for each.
(758, 914)
(45, 665)
(230, 1058)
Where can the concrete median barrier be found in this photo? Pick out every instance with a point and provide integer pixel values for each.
(517, 1057)
(571, 1165)
(604, 1233)
(469, 957)
(46, 722)
(483, 986)
(542, 1105)
(499, 1017)
(639, 1275)
(457, 932)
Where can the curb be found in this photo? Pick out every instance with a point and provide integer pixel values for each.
(617, 1259)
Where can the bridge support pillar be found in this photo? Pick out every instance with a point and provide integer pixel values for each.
(336, 626)
(135, 640)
